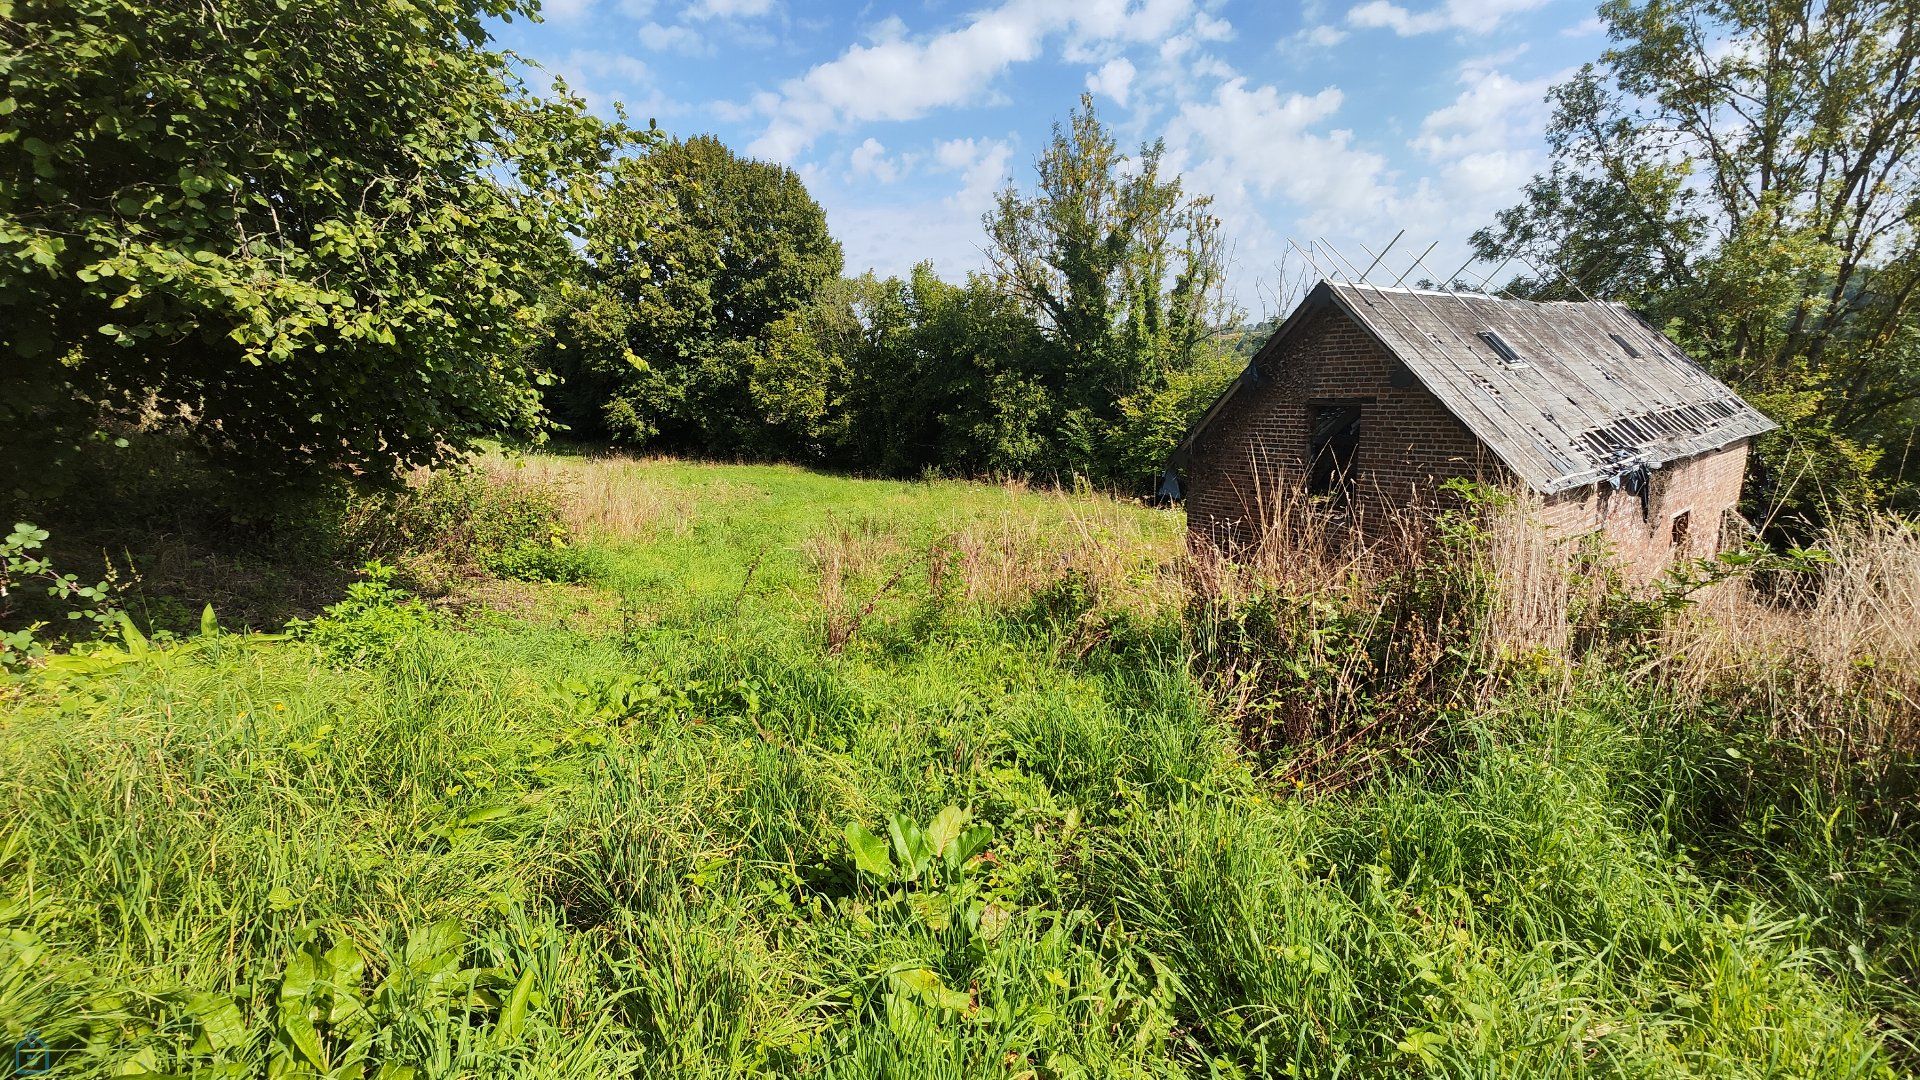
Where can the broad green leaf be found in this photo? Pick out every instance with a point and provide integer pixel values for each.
(869, 852)
(514, 1014)
(972, 842)
(926, 985)
(431, 946)
(130, 635)
(209, 623)
(219, 1019)
(298, 1030)
(910, 847)
(945, 828)
(298, 979)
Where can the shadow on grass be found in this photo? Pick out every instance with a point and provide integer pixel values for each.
(173, 534)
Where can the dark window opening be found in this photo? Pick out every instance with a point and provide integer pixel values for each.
(1500, 346)
(1625, 345)
(1682, 524)
(1330, 447)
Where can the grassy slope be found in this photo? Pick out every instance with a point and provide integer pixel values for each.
(667, 760)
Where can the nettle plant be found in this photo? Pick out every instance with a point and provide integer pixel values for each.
(24, 572)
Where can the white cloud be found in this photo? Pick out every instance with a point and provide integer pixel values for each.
(1208, 28)
(1471, 16)
(564, 10)
(728, 9)
(601, 78)
(1591, 25)
(680, 39)
(1114, 79)
(1255, 141)
(1322, 36)
(870, 159)
(982, 165)
(898, 77)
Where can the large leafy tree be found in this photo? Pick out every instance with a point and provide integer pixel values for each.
(1119, 266)
(306, 232)
(1749, 175)
(697, 287)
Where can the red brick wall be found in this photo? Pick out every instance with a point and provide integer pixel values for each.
(1703, 487)
(1254, 454)
(1257, 446)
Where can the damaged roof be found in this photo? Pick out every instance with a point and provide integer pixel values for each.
(1565, 394)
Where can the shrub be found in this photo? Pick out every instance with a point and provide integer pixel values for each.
(462, 523)
(20, 565)
(370, 623)
(1373, 655)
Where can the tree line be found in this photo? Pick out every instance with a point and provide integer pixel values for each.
(331, 238)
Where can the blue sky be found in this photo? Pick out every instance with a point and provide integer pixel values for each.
(1343, 119)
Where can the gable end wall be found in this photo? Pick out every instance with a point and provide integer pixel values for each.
(1256, 446)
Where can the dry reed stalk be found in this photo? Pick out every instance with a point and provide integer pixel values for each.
(1533, 577)
(1003, 561)
(851, 553)
(1834, 659)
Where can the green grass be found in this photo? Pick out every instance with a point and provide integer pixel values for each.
(630, 798)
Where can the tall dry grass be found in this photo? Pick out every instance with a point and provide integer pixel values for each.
(603, 496)
(1834, 657)
(1830, 657)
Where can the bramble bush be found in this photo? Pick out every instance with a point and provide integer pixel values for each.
(21, 567)
(461, 523)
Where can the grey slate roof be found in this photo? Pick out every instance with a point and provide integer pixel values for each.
(1576, 406)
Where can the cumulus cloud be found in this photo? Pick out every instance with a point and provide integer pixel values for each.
(728, 9)
(1257, 141)
(1322, 36)
(680, 39)
(899, 77)
(870, 159)
(982, 165)
(1114, 79)
(1471, 16)
(601, 78)
(565, 10)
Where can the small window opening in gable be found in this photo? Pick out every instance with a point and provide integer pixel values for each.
(1682, 526)
(1330, 449)
(1625, 346)
(1499, 345)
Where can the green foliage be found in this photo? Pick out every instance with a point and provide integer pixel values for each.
(374, 620)
(21, 569)
(459, 521)
(1743, 174)
(307, 234)
(1620, 616)
(1331, 681)
(945, 846)
(711, 317)
(695, 257)
(642, 828)
(1120, 268)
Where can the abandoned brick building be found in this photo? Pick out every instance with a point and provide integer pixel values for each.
(1371, 397)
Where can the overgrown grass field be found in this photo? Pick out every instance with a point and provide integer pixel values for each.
(814, 776)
